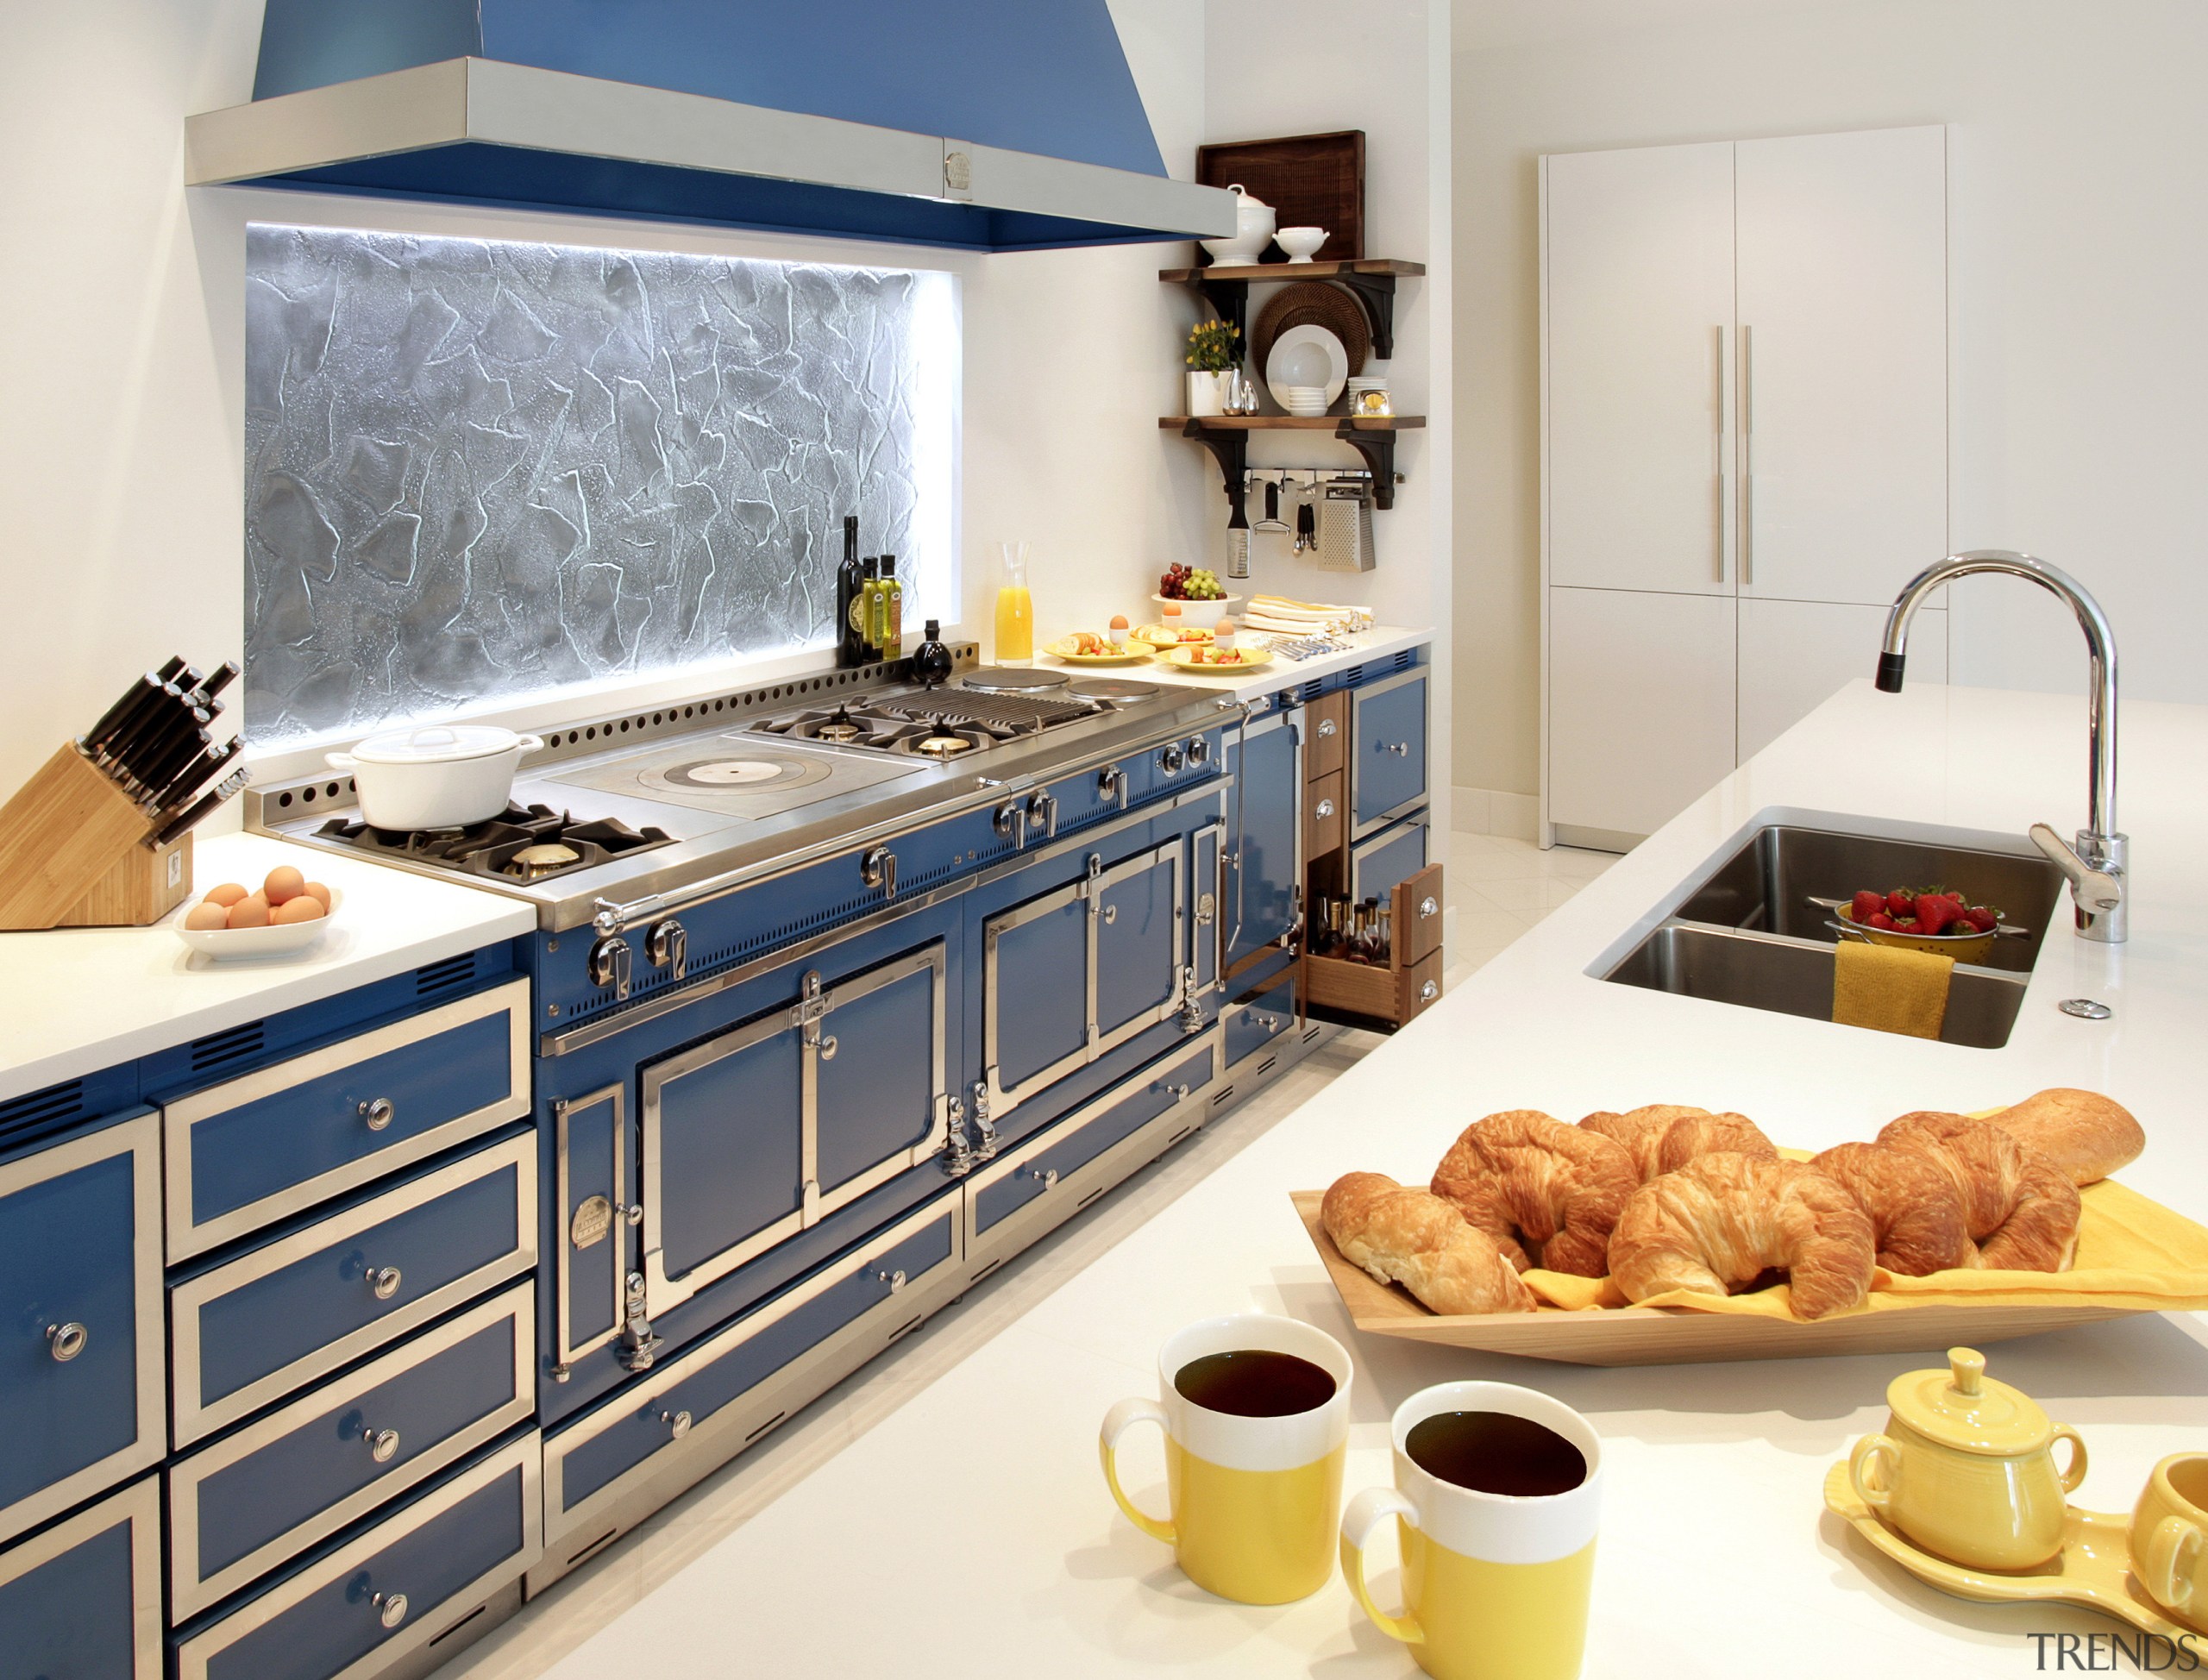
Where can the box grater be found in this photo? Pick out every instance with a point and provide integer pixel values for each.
(1345, 530)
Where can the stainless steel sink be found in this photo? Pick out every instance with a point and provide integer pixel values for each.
(1794, 977)
(1743, 931)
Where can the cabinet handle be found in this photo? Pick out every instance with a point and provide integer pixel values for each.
(391, 1609)
(1400, 748)
(1045, 1176)
(1325, 809)
(376, 1114)
(1326, 727)
(678, 1423)
(385, 1280)
(383, 1444)
(1426, 908)
(1178, 1092)
(634, 1212)
(66, 1341)
(1718, 447)
(1747, 458)
(895, 1279)
(1430, 990)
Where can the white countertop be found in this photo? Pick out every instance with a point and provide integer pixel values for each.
(83, 999)
(969, 1534)
(1365, 647)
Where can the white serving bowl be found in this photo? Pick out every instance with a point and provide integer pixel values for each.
(1253, 230)
(1301, 244)
(434, 776)
(1200, 615)
(223, 943)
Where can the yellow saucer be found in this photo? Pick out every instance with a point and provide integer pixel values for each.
(2093, 1572)
(1135, 654)
(1254, 658)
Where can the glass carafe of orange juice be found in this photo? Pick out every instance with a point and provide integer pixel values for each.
(1015, 609)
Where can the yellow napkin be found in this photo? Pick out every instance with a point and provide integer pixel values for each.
(1889, 989)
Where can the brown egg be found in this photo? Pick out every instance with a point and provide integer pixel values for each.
(304, 908)
(250, 912)
(226, 895)
(283, 884)
(207, 915)
(319, 892)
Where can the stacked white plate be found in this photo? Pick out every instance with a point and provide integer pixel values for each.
(1303, 400)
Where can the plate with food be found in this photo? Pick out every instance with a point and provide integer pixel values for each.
(1215, 662)
(285, 912)
(1088, 647)
(1921, 918)
(1173, 636)
(1668, 1234)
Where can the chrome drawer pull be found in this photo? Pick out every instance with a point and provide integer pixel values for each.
(1045, 1176)
(1430, 990)
(1111, 914)
(391, 1609)
(1325, 727)
(828, 1047)
(1400, 748)
(1325, 808)
(1178, 1092)
(678, 1423)
(895, 1279)
(385, 1280)
(634, 1212)
(1428, 908)
(383, 1444)
(377, 1112)
(66, 1341)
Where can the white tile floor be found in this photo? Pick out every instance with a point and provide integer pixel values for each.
(1498, 887)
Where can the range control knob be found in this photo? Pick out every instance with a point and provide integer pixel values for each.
(610, 961)
(1171, 759)
(668, 944)
(1199, 750)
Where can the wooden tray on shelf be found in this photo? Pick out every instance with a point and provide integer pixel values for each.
(1670, 1336)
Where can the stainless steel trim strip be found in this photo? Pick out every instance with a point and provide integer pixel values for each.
(194, 1655)
(192, 1594)
(624, 1402)
(563, 1288)
(138, 1138)
(1102, 1039)
(187, 1237)
(138, 1505)
(194, 1421)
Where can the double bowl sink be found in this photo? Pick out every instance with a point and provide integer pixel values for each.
(1744, 932)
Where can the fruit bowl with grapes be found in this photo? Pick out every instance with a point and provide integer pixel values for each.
(1204, 599)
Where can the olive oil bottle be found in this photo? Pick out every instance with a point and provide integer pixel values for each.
(869, 604)
(888, 620)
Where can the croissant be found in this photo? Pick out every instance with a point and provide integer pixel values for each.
(1408, 1237)
(1663, 1138)
(1719, 1222)
(2085, 1134)
(1547, 1194)
(1916, 1214)
(2021, 1208)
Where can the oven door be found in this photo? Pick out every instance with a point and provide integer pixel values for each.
(760, 1131)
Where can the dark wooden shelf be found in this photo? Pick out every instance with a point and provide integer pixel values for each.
(1292, 271)
(1226, 286)
(1293, 422)
(1227, 437)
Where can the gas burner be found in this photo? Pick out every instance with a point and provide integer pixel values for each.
(841, 727)
(532, 843)
(942, 746)
(1011, 679)
(1115, 688)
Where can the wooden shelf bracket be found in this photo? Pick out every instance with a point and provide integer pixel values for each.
(1230, 447)
(1378, 449)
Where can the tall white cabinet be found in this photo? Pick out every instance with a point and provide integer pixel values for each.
(1745, 424)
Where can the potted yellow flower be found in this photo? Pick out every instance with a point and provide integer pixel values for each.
(1213, 350)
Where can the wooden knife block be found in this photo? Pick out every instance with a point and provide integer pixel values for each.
(75, 851)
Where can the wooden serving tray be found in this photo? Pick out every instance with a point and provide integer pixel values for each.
(1673, 1336)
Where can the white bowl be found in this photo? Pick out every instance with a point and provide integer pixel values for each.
(1301, 244)
(1200, 615)
(223, 943)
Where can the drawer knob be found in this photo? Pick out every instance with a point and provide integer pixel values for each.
(828, 1047)
(1045, 1176)
(1325, 808)
(1430, 990)
(66, 1341)
(895, 1279)
(1111, 914)
(385, 1280)
(1400, 748)
(383, 1444)
(634, 1212)
(678, 1423)
(391, 1609)
(1427, 909)
(1326, 727)
(377, 1112)
(1178, 1092)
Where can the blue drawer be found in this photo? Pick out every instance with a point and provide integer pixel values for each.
(245, 1504)
(1392, 855)
(1041, 1164)
(83, 1600)
(80, 1321)
(282, 1315)
(389, 1591)
(275, 1142)
(1255, 1022)
(590, 1464)
(1387, 742)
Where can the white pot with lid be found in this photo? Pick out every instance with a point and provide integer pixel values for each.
(437, 775)
(1254, 229)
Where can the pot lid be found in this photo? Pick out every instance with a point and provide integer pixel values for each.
(1964, 1408)
(1249, 197)
(437, 744)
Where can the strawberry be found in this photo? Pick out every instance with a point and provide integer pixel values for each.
(1900, 902)
(1981, 917)
(1934, 913)
(1885, 923)
(1867, 905)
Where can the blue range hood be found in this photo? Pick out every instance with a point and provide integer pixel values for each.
(993, 125)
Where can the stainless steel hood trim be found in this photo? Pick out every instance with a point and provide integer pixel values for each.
(492, 103)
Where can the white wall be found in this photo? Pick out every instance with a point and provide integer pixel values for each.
(2079, 343)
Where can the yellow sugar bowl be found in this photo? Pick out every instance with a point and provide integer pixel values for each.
(1966, 1467)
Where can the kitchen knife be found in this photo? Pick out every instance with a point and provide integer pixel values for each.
(174, 669)
(215, 796)
(142, 746)
(223, 674)
(136, 704)
(164, 768)
(195, 775)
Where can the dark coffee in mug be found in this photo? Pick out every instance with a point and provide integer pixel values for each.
(1254, 1382)
(1495, 1452)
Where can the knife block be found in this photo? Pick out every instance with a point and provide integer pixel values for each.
(75, 851)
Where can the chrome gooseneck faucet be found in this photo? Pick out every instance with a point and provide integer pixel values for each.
(2095, 866)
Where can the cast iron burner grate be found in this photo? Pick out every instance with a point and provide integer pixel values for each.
(488, 848)
(1007, 715)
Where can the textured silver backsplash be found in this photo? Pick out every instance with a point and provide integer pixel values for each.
(476, 469)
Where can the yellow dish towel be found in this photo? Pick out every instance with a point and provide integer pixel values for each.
(1890, 990)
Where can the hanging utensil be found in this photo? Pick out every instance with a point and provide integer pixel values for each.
(1272, 521)
(1306, 527)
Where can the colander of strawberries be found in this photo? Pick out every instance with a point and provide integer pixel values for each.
(1930, 919)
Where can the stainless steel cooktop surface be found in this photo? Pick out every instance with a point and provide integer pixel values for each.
(735, 773)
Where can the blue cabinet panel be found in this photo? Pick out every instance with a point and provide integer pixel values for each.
(1037, 958)
(79, 1329)
(1254, 1023)
(1389, 857)
(1264, 830)
(591, 1150)
(83, 1600)
(724, 1142)
(1138, 943)
(1386, 737)
(876, 1094)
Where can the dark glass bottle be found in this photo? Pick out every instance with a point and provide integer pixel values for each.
(932, 659)
(850, 645)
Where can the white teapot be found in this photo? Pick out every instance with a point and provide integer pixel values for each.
(1254, 229)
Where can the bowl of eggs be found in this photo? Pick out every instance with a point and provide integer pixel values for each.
(285, 912)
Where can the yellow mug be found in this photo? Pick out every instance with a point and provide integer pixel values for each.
(2169, 1537)
(1496, 1586)
(1253, 1499)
